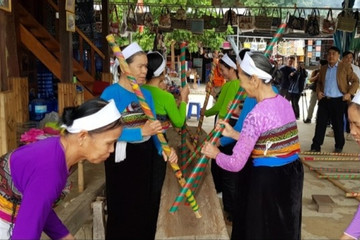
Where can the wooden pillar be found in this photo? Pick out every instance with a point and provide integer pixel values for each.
(66, 96)
(105, 30)
(9, 62)
(20, 87)
(66, 52)
(7, 122)
(69, 97)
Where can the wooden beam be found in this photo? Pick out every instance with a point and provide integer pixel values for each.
(79, 211)
(9, 63)
(40, 51)
(105, 29)
(98, 218)
(183, 224)
(324, 203)
(66, 50)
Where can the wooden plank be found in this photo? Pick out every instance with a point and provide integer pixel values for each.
(323, 202)
(20, 87)
(98, 219)
(76, 213)
(40, 51)
(37, 30)
(9, 60)
(7, 122)
(184, 225)
(65, 42)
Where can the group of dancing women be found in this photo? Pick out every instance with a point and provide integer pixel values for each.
(261, 179)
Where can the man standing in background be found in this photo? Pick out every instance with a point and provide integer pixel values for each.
(313, 83)
(285, 82)
(336, 83)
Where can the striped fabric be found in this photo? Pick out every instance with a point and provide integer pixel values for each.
(133, 115)
(278, 142)
(165, 121)
(10, 197)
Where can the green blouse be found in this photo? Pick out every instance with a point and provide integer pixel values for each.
(227, 94)
(165, 105)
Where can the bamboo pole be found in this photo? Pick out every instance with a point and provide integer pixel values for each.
(81, 182)
(352, 194)
(275, 39)
(183, 147)
(333, 181)
(340, 176)
(197, 150)
(337, 170)
(202, 163)
(331, 154)
(125, 69)
(350, 159)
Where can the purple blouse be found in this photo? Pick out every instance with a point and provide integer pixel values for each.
(266, 115)
(353, 229)
(39, 172)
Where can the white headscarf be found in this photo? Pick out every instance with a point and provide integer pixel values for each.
(228, 61)
(249, 67)
(131, 50)
(101, 118)
(162, 66)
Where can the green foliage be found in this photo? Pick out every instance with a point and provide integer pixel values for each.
(209, 38)
(145, 39)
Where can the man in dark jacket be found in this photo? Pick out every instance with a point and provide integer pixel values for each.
(297, 83)
(285, 81)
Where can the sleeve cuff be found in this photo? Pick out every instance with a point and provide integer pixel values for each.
(350, 235)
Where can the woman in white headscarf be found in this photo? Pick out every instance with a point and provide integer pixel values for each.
(129, 170)
(270, 138)
(34, 175)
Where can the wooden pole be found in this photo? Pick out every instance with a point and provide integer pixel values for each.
(333, 181)
(65, 42)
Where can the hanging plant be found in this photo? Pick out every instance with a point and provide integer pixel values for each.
(145, 39)
(193, 47)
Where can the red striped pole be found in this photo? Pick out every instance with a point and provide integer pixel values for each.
(275, 39)
(183, 147)
(203, 161)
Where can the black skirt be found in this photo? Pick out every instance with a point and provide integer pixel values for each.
(132, 189)
(273, 204)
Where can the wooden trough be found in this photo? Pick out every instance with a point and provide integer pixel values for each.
(183, 224)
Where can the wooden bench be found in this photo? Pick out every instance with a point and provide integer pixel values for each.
(323, 203)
